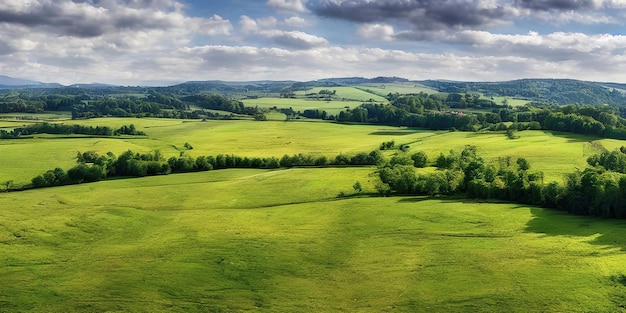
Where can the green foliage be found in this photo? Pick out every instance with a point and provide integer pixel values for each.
(388, 145)
(420, 159)
(357, 187)
(594, 191)
(61, 129)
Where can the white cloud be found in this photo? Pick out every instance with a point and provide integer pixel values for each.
(295, 22)
(294, 39)
(264, 28)
(129, 41)
(288, 5)
(375, 31)
(248, 25)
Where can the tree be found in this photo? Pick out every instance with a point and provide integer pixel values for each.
(419, 159)
(523, 164)
(260, 117)
(357, 187)
(7, 185)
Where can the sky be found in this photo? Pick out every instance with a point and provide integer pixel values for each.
(162, 42)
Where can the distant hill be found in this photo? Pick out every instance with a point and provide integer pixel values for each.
(11, 82)
(268, 86)
(92, 85)
(557, 91)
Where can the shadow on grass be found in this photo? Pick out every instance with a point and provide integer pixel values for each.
(393, 133)
(444, 199)
(608, 232)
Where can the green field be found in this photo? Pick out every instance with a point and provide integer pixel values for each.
(401, 88)
(554, 154)
(296, 240)
(332, 107)
(510, 101)
(348, 93)
(281, 241)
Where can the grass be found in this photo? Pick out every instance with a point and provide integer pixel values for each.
(510, 101)
(553, 153)
(348, 93)
(331, 107)
(47, 116)
(280, 241)
(401, 88)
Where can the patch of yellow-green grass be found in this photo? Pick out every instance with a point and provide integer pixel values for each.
(401, 88)
(46, 116)
(331, 107)
(348, 93)
(23, 159)
(279, 241)
(510, 101)
(262, 138)
(555, 154)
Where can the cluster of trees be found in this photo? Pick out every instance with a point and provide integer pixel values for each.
(392, 115)
(413, 110)
(217, 102)
(614, 161)
(599, 190)
(116, 106)
(93, 167)
(428, 111)
(558, 91)
(61, 129)
(98, 102)
(20, 102)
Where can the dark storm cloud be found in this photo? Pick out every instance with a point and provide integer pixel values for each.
(421, 14)
(82, 19)
(561, 5)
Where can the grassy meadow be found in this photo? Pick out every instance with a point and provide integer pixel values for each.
(282, 241)
(553, 153)
(295, 240)
(401, 88)
(348, 93)
(298, 104)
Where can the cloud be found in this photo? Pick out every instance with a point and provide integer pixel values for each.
(295, 22)
(545, 5)
(96, 18)
(288, 5)
(375, 31)
(294, 39)
(247, 24)
(253, 63)
(263, 28)
(422, 15)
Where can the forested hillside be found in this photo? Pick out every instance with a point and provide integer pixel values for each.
(554, 91)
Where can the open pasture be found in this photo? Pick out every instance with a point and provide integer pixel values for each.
(348, 93)
(281, 241)
(401, 88)
(331, 107)
(510, 101)
(47, 116)
(554, 154)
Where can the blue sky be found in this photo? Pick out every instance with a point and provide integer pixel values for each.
(156, 42)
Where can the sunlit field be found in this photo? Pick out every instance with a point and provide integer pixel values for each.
(282, 240)
(553, 153)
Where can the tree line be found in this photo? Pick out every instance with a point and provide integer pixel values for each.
(61, 129)
(599, 190)
(93, 167)
(428, 111)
